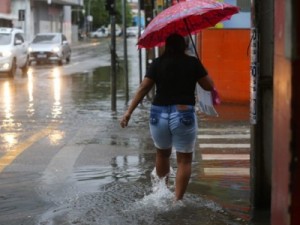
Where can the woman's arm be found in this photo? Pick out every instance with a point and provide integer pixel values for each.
(143, 89)
(206, 83)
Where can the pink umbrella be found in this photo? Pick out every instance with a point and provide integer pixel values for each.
(185, 18)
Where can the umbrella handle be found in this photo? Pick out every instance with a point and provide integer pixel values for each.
(193, 43)
(190, 36)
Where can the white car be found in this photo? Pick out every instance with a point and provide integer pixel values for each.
(49, 47)
(118, 30)
(13, 51)
(101, 32)
(132, 31)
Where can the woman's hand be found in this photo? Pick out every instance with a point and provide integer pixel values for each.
(125, 119)
(143, 89)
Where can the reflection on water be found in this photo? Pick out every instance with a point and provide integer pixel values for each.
(53, 97)
(9, 138)
(25, 103)
(124, 194)
(30, 88)
(223, 175)
(7, 104)
(92, 91)
(56, 108)
(56, 136)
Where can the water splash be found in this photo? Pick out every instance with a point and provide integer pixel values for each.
(161, 198)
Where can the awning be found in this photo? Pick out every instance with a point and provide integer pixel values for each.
(8, 16)
(65, 2)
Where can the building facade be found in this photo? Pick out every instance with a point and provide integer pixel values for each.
(39, 16)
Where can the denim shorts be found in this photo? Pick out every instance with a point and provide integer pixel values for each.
(173, 127)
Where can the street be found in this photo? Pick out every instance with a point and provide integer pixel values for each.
(65, 160)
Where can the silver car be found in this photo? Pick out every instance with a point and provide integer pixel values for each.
(49, 47)
(13, 51)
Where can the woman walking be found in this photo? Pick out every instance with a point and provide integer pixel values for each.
(173, 122)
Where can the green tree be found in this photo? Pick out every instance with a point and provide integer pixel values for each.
(101, 16)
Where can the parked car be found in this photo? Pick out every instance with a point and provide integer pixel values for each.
(100, 32)
(133, 31)
(13, 51)
(48, 48)
(118, 30)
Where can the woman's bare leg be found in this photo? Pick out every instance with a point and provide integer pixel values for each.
(184, 170)
(163, 162)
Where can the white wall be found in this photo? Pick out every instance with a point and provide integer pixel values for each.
(26, 25)
(240, 20)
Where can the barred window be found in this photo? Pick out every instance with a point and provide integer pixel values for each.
(245, 5)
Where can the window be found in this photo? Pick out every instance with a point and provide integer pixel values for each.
(245, 5)
(5, 38)
(46, 38)
(18, 39)
(64, 38)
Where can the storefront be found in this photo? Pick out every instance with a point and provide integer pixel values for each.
(6, 20)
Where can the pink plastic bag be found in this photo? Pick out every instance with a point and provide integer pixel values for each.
(215, 97)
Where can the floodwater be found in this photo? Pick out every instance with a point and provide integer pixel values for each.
(121, 191)
(129, 197)
(112, 179)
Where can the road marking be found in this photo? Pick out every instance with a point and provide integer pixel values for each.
(224, 136)
(224, 145)
(225, 156)
(227, 172)
(60, 169)
(61, 165)
(10, 156)
(225, 130)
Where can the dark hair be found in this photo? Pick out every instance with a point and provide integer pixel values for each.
(175, 45)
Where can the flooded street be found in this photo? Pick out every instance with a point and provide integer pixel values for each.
(64, 160)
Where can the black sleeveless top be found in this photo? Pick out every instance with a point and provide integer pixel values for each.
(175, 78)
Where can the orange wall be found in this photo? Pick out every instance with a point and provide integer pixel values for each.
(226, 55)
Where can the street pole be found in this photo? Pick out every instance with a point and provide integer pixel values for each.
(261, 103)
(113, 62)
(89, 15)
(150, 53)
(111, 8)
(125, 52)
(139, 34)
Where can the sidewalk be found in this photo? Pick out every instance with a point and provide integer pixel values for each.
(85, 43)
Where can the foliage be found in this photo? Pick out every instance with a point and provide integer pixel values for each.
(101, 16)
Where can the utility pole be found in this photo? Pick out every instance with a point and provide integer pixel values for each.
(261, 107)
(149, 9)
(150, 53)
(89, 17)
(140, 7)
(111, 8)
(125, 52)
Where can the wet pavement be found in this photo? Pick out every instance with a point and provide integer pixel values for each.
(82, 168)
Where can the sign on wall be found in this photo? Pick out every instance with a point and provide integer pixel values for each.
(254, 76)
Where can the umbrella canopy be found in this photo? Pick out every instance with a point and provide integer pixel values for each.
(185, 18)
